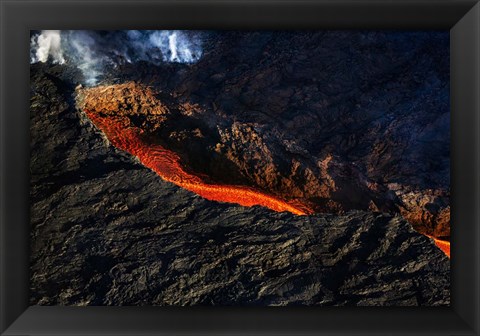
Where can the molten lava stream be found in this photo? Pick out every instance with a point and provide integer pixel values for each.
(442, 245)
(167, 165)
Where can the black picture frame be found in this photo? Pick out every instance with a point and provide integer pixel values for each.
(18, 17)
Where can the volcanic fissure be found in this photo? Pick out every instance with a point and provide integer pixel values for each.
(169, 138)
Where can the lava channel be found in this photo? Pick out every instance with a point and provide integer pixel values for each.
(442, 245)
(167, 165)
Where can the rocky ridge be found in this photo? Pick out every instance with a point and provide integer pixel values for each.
(313, 118)
(107, 231)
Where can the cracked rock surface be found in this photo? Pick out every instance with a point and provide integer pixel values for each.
(108, 231)
(334, 120)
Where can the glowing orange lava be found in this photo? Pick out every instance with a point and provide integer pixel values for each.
(442, 245)
(167, 165)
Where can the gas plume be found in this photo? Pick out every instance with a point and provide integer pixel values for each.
(92, 51)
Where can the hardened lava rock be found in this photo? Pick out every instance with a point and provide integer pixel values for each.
(108, 231)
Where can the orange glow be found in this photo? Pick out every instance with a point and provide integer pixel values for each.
(167, 165)
(442, 245)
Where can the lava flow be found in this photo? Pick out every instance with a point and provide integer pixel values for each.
(442, 245)
(167, 165)
(112, 109)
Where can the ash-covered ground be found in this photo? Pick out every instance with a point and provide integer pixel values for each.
(353, 126)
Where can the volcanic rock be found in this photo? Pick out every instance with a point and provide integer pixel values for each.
(108, 231)
(336, 121)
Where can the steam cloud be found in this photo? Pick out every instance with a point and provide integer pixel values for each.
(47, 44)
(91, 51)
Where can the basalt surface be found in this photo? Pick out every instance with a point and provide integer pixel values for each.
(134, 119)
(108, 230)
(312, 118)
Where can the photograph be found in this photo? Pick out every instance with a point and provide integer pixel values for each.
(240, 168)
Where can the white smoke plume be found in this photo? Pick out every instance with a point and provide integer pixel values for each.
(82, 50)
(91, 51)
(46, 44)
(175, 46)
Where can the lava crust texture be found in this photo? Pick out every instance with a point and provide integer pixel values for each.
(125, 205)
